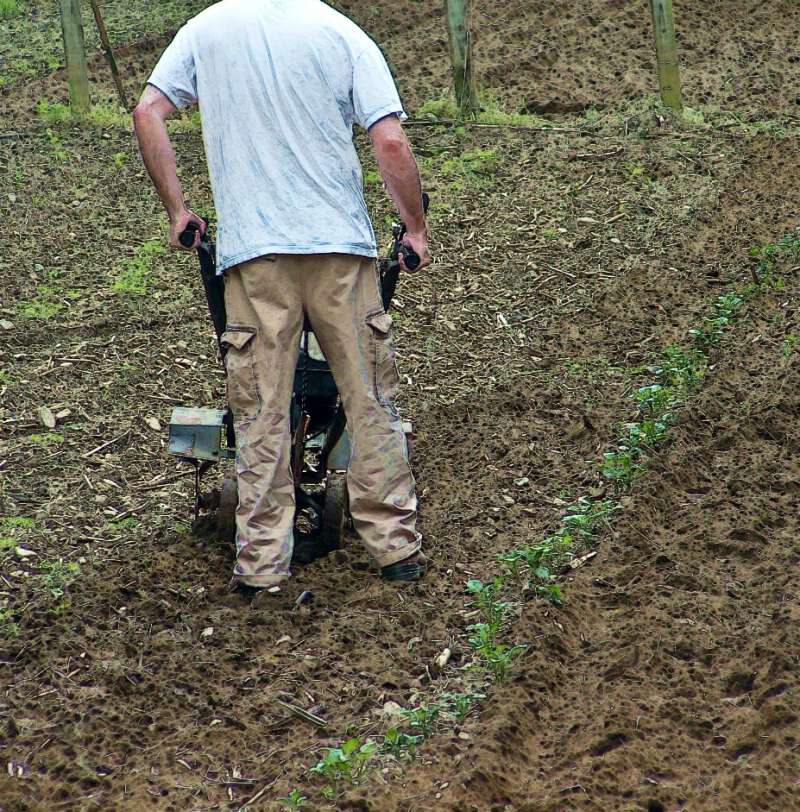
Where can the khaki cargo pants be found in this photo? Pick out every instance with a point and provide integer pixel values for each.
(265, 300)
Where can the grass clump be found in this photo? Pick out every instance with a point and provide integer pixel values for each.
(9, 8)
(8, 625)
(490, 111)
(44, 305)
(57, 575)
(50, 438)
(138, 277)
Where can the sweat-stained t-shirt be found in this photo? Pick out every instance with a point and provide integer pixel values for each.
(280, 84)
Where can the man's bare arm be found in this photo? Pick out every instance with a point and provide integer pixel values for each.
(401, 175)
(149, 121)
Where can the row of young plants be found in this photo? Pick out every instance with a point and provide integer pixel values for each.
(536, 570)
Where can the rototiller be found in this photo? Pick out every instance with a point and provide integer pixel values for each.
(320, 442)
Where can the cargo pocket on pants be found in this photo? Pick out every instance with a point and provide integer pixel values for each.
(386, 376)
(243, 397)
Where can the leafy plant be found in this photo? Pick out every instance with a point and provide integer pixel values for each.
(681, 369)
(479, 162)
(585, 517)
(715, 325)
(496, 657)
(422, 718)
(346, 763)
(8, 523)
(293, 801)
(462, 704)
(646, 434)
(43, 306)
(51, 438)
(486, 600)
(551, 592)
(621, 466)
(400, 745)
(655, 399)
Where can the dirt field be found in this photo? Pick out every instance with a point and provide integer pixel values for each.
(567, 260)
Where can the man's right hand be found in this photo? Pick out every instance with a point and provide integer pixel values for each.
(178, 223)
(419, 244)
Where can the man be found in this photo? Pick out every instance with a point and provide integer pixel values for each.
(280, 84)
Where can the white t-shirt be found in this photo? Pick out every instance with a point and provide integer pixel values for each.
(280, 84)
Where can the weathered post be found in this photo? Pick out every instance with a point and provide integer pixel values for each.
(461, 56)
(106, 42)
(75, 52)
(669, 74)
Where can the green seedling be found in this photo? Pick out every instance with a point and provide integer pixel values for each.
(346, 763)
(462, 704)
(476, 164)
(621, 466)
(552, 553)
(293, 801)
(681, 369)
(655, 399)
(494, 657)
(552, 593)
(635, 170)
(124, 524)
(486, 600)
(789, 345)
(9, 523)
(422, 718)
(647, 434)
(725, 308)
(400, 745)
(586, 517)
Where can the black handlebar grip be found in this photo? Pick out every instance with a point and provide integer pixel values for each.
(411, 258)
(186, 237)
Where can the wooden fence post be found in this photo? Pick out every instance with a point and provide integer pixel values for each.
(75, 51)
(106, 42)
(461, 56)
(669, 75)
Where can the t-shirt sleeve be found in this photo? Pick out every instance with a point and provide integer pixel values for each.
(375, 95)
(175, 74)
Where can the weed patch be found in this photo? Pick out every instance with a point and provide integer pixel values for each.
(55, 576)
(137, 278)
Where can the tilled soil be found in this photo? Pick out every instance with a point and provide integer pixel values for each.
(547, 57)
(565, 262)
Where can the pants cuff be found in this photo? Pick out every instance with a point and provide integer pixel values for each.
(261, 581)
(392, 557)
